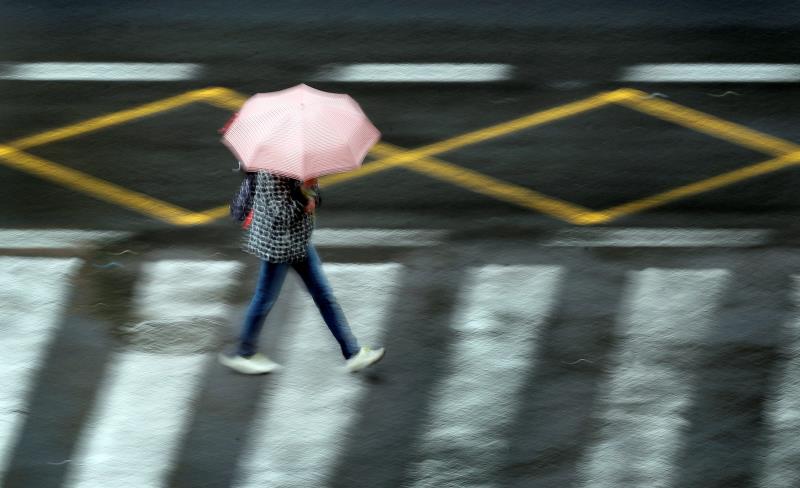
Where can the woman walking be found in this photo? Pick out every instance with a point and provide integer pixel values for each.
(285, 140)
(279, 232)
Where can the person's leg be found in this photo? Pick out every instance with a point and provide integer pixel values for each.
(270, 281)
(310, 270)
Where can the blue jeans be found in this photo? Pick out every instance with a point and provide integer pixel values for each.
(271, 280)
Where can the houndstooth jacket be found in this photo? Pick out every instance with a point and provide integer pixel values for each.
(281, 228)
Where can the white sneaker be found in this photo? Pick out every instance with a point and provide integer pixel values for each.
(255, 364)
(365, 357)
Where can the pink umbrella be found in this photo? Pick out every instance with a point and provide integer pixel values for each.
(301, 132)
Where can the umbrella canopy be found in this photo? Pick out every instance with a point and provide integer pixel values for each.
(301, 132)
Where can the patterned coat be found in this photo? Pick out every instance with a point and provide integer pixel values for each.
(281, 228)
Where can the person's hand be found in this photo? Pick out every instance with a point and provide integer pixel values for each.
(312, 202)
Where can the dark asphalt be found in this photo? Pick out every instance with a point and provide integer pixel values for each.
(597, 159)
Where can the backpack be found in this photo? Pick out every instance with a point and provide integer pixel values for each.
(242, 202)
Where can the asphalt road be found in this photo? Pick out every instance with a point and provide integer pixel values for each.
(597, 159)
(568, 413)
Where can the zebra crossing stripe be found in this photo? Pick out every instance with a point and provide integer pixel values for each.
(144, 401)
(33, 291)
(56, 238)
(176, 289)
(665, 314)
(141, 411)
(295, 439)
(60, 71)
(782, 463)
(137, 421)
(503, 310)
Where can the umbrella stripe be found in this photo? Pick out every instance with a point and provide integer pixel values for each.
(301, 133)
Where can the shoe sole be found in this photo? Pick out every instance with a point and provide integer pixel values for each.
(375, 361)
(230, 364)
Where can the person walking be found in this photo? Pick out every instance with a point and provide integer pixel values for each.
(279, 227)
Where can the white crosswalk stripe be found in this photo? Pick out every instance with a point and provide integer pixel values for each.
(664, 314)
(503, 309)
(782, 466)
(56, 238)
(295, 438)
(137, 422)
(141, 410)
(33, 292)
(134, 430)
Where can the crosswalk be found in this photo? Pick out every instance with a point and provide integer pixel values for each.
(135, 426)
(495, 342)
(33, 291)
(146, 388)
(312, 409)
(782, 467)
(647, 396)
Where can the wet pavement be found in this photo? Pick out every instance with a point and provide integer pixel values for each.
(517, 355)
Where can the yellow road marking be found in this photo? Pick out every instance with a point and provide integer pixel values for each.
(713, 183)
(222, 98)
(420, 159)
(365, 170)
(623, 94)
(229, 99)
(102, 122)
(486, 185)
(393, 156)
(451, 173)
(335, 179)
(95, 187)
(215, 213)
(528, 121)
(708, 124)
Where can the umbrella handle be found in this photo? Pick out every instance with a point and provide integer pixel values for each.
(228, 124)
